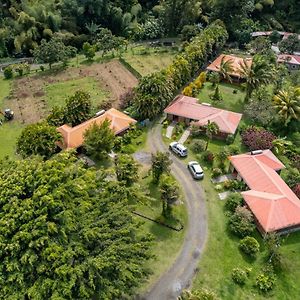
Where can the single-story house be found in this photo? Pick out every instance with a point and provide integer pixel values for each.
(73, 137)
(284, 34)
(235, 63)
(190, 111)
(274, 205)
(291, 61)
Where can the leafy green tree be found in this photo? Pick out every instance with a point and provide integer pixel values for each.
(78, 108)
(290, 44)
(169, 194)
(259, 73)
(216, 95)
(69, 233)
(241, 222)
(233, 201)
(274, 37)
(53, 51)
(214, 78)
(57, 116)
(126, 169)
(153, 94)
(38, 139)
(161, 163)
(99, 140)
(89, 50)
(287, 103)
(211, 129)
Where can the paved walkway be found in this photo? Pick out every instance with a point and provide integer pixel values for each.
(223, 178)
(184, 136)
(224, 195)
(179, 276)
(170, 129)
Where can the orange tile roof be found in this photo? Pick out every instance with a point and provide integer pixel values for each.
(236, 64)
(189, 107)
(272, 202)
(73, 136)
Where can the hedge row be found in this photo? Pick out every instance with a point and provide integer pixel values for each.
(130, 68)
(155, 91)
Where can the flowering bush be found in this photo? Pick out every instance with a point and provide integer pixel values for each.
(208, 156)
(241, 222)
(257, 138)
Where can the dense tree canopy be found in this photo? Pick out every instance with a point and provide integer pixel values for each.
(66, 233)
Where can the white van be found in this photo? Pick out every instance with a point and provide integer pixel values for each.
(179, 149)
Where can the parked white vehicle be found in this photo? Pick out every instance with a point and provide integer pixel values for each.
(179, 149)
(195, 170)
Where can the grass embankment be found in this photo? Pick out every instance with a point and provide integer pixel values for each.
(9, 131)
(150, 60)
(57, 93)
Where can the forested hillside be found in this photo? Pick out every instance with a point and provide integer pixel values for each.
(23, 24)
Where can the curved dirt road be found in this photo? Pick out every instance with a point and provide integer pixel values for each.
(180, 274)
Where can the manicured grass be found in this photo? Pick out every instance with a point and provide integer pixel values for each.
(57, 93)
(167, 243)
(231, 101)
(9, 131)
(149, 62)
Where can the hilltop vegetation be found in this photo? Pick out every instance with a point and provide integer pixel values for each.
(24, 24)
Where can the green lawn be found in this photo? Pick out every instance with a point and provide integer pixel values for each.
(9, 131)
(149, 62)
(56, 93)
(167, 243)
(231, 101)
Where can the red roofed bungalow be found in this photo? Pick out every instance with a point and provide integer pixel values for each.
(73, 137)
(274, 205)
(292, 61)
(236, 62)
(189, 110)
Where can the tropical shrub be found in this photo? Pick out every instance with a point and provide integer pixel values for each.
(249, 245)
(198, 146)
(8, 72)
(256, 138)
(233, 201)
(291, 176)
(233, 149)
(265, 281)
(241, 222)
(230, 139)
(208, 156)
(239, 276)
(216, 172)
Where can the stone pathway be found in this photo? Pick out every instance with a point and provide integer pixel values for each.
(223, 178)
(170, 129)
(224, 195)
(184, 136)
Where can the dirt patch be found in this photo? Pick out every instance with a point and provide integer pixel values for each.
(28, 96)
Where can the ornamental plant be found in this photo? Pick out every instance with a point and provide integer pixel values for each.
(249, 245)
(241, 222)
(256, 138)
(239, 276)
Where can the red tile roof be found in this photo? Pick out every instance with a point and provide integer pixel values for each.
(73, 136)
(190, 108)
(236, 64)
(272, 202)
(288, 58)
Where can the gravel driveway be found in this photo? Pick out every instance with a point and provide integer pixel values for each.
(179, 276)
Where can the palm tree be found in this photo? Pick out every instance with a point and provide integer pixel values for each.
(226, 67)
(287, 102)
(210, 129)
(260, 72)
(281, 145)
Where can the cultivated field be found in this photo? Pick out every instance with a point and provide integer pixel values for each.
(32, 97)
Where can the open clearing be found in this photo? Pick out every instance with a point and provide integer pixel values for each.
(148, 62)
(33, 96)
